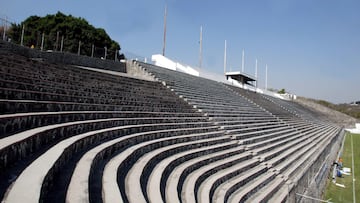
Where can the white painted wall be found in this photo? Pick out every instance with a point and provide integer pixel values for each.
(160, 60)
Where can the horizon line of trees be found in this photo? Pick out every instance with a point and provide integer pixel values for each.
(352, 111)
(65, 33)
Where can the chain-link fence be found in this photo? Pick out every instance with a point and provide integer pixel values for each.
(310, 186)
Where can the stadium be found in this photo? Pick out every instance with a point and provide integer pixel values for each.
(79, 129)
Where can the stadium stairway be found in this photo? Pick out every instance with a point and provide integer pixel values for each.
(278, 135)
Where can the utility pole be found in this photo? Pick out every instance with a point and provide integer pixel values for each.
(225, 58)
(92, 50)
(164, 42)
(200, 51)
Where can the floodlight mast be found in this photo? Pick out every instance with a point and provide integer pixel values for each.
(164, 42)
(200, 51)
(243, 61)
(256, 72)
(266, 77)
(225, 58)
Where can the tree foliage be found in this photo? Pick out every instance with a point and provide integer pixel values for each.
(73, 30)
(282, 91)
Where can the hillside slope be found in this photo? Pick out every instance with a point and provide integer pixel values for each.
(333, 115)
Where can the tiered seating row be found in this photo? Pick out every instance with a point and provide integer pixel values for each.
(77, 135)
(276, 135)
(60, 122)
(58, 84)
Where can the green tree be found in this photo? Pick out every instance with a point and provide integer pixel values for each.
(282, 91)
(73, 30)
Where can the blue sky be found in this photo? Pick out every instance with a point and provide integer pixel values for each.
(312, 47)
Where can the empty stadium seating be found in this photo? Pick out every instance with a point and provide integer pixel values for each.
(280, 136)
(77, 135)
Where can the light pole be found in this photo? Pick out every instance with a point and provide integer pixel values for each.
(243, 61)
(266, 77)
(256, 72)
(200, 51)
(225, 58)
(164, 40)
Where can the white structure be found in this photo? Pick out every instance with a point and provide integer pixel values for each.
(355, 130)
(160, 60)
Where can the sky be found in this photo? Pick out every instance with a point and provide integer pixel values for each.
(311, 47)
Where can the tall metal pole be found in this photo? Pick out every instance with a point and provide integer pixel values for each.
(164, 42)
(200, 51)
(256, 72)
(266, 77)
(92, 50)
(22, 36)
(225, 58)
(243, 61)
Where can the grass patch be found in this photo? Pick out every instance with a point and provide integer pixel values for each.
(339, 194)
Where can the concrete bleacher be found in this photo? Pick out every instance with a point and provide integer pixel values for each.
(272, 130)
(74, 134)
(51, 114)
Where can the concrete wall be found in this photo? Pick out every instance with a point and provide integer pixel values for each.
(162, 61)
(313, 181)
(137, 71)
(64, 58)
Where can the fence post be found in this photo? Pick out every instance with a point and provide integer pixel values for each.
(105, 52)
(42, 42)
(22, 36)
(79, 47)
(57, 41)
(62, 43)
(4, 33)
